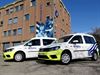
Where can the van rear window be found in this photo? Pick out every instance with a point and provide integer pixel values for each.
(89, 40)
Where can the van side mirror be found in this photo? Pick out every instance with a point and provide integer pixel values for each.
(75, 41)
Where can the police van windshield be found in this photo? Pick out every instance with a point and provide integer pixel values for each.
(64, 39)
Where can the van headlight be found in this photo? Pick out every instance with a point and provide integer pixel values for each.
(55, 48)
(9, 50)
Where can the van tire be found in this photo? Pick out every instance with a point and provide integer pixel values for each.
(19, 57)
(94, 57)
(65, 58)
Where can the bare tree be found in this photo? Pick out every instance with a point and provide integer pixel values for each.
(96, 33)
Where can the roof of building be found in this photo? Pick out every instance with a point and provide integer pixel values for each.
(17, 1)
(10, 4)
(64, 7)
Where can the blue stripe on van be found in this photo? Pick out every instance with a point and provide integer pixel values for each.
(91, 50)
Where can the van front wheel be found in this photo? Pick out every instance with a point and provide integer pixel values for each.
(66, 58)
(19, 57)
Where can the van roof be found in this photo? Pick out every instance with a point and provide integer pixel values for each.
(43, 38)
(85, 34)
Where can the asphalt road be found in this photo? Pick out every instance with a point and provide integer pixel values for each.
(33, 67)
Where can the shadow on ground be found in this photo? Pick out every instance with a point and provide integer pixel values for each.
(30, 59)
(59, 63)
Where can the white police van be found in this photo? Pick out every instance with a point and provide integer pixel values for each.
(27, 50)
(72, 46)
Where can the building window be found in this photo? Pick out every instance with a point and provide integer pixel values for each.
(11, 10)
(24, 41)
(60, 5)
(48, 4)
(63, 20)
(0, 13)
(9, 32)
(33, 2)
(5, 33)
(15, 20)
(16, 43)
(10, 21)
(6, 45)
(56, 13)
(21, 7)
(62, 34)
(14, 32)
(32, 28)
(7, 11)
(1, 23)
(19, 31)
(17, 8)
(27, 16)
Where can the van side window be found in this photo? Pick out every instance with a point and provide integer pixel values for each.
(47, 41)
(78, 38)
(35, 42)
(89, 40)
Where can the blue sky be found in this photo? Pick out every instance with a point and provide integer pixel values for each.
(3, 2)
(85, 14)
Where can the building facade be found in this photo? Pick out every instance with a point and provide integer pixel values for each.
(24, 19)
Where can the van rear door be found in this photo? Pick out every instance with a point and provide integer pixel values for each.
(90, 45)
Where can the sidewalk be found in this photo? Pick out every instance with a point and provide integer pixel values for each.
(0, 54)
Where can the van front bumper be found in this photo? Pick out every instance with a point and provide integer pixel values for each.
(8, 55)
(53, 55)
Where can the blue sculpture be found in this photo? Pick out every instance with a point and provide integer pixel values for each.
(45, 30)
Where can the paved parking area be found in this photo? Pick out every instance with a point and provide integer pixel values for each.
(32, 67)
